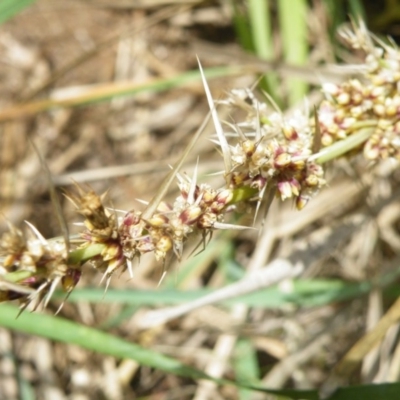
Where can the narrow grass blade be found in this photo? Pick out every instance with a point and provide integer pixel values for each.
(356, 354)
(343, 146)
(245, 366)
(357, 10)
(293, 28)
(337, 15)
(62, 330)
(81, 255)
(241, 25)
(104, 92)
(305, 293)
(384, 391)
(26, 389)
(260, 24)
(66, 331)
(9, 8)
(261, 30)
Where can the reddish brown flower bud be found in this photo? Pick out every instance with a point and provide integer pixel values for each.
(131, 218)
(208, 196)
(289, 132)
(221, 200)
(190, 215)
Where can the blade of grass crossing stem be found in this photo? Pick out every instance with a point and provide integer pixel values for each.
(305, 293)
(343, 146)
(293, 29)
(62, 330)
(268, 298)
(66, 331)
(9, 8)
(245, 366)
(261, 31)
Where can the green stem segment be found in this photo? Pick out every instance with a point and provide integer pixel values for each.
(80, 256)
(18, 276)
(344, 146)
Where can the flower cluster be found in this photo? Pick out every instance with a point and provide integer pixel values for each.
(371, 101)
(117, 241)
(198, 209)
(265, 150)
(270, 149)
(37, 266)
(101, 229)
(274, 150)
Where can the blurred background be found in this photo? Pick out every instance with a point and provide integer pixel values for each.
(109, 91)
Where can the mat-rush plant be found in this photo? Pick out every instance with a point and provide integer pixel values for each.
(265, 154)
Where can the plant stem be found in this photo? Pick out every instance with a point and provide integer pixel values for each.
(81, 255)
(339, 148)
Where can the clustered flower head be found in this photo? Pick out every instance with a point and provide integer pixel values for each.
(197, 209)
(273, 150)
(101, 228)
(265, 150)
(373, 100)
(270, 149)
(38, 264)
